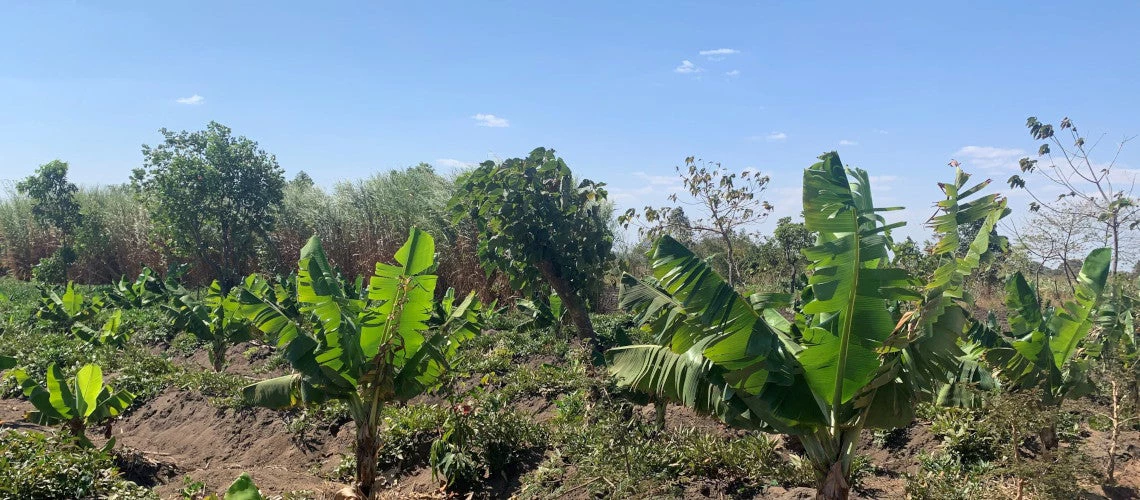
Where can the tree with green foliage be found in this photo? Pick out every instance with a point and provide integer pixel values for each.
(213, 196)
(725, 203)
(538, 226)
(54, 205)
(366, 351)
(867, 346)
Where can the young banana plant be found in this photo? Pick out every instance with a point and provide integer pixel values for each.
(368, 351)
(215, 318)
(76, 403)
(866, 347)
(1043, 348)
(542, 313)
(145, 290)
(69, 308)
(111, 333)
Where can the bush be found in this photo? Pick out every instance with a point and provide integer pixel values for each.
(37, 466)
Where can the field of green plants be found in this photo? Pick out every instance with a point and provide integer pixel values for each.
(211, 330)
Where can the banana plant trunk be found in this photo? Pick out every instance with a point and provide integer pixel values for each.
(367, 446)
(835, 485)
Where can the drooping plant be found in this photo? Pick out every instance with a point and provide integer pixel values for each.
(215, 318)
(77, 403)
(865, 348)
(368, 351)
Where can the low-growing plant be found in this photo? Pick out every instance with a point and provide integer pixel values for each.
(112, 332)
(46, 466)
(482, 441)
(77, 403)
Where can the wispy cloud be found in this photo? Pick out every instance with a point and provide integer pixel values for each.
(882, 182)
(487, 120)
(687, 67)
(718, 54)
(453, 163)
(734, 72)
(880, 131)
(776, 137)
(846, 142)
(193, 100)
(989, 158)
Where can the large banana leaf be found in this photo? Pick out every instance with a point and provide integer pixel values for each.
(1041, 349)
(850, 289)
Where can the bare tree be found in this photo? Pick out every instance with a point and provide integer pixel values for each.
(1108, 194)
(1058, 237)
(720, 203)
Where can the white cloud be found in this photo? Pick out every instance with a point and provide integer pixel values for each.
(989, 158)
(776, 137)
(453, 163)
(880, 131)
(486, 120)
(734, 72)
(192, 100)
(719, 52)
(882, 183)
(846, 142)
(687, 67)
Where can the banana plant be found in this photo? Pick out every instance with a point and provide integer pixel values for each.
(542, 313)
(215, 318)
(111, 333)
(145, 290)
(1044, 347)
(371, 351)
(76, 403)
(67, 309)
(866, 347)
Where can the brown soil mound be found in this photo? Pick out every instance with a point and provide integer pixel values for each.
(215, 445)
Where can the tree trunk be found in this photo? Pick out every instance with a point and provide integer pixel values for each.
(570, 300)
(1048, 437)
(1115, 434)
(367, 446)
(835, 486)
(730, 256)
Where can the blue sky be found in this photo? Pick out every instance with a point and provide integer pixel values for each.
(343, 90)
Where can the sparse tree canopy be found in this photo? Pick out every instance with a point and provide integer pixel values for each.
(212, 195)
(721, 204)
(1094, 185)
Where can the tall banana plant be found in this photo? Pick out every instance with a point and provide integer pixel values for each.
(867, 345)
(368, 352)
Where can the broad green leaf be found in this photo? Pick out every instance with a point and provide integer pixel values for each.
(88, 384)
(243, 489)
